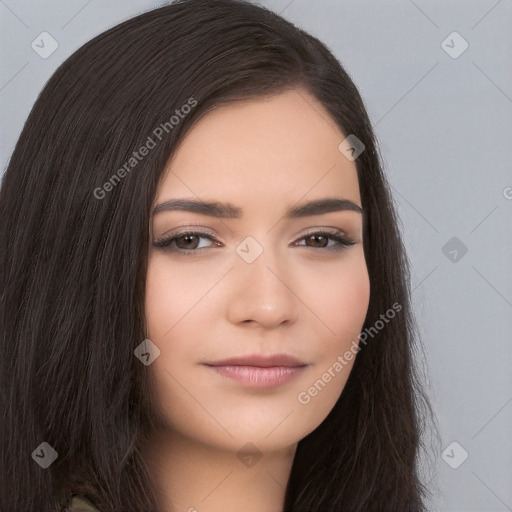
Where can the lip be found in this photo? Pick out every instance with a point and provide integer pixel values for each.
(259, 377)
(261, 361)
(260, 371)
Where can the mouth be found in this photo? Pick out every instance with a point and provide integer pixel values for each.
(260, 371)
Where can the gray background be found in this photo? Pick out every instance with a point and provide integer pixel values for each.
(445, 129)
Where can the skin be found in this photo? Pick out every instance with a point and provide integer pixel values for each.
(262, 155)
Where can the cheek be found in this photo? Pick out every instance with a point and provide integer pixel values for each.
(340, 296)
(174, 308)
(172, 294)
(341, 303)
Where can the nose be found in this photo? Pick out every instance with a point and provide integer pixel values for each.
(262, 293)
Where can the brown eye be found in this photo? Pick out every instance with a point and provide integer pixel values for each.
(186, 243)
(318, 240)
(321, 239)
(189, 241)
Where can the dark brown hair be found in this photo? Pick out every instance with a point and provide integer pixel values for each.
(73, 266)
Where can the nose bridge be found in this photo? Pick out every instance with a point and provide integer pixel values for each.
(262, 284)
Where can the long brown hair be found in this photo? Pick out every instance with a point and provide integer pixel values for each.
(73, 245)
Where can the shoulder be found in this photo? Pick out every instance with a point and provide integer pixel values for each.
(78, 503)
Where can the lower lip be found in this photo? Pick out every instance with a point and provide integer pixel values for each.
(259, 377)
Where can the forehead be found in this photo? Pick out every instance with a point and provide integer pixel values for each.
(281, 147)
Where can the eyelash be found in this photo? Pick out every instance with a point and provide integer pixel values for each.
(165, 242)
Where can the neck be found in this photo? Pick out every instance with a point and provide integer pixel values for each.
(193, 477)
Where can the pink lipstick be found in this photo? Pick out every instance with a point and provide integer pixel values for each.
(260, 371)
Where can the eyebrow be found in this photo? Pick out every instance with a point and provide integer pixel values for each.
(230, 211)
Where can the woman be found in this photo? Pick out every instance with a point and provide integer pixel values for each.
(205, 296)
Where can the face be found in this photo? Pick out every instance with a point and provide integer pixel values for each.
(260, 273)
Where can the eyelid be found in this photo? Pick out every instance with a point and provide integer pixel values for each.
(187, 229)
(331, 230)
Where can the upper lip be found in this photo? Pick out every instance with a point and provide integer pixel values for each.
(260, 360)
